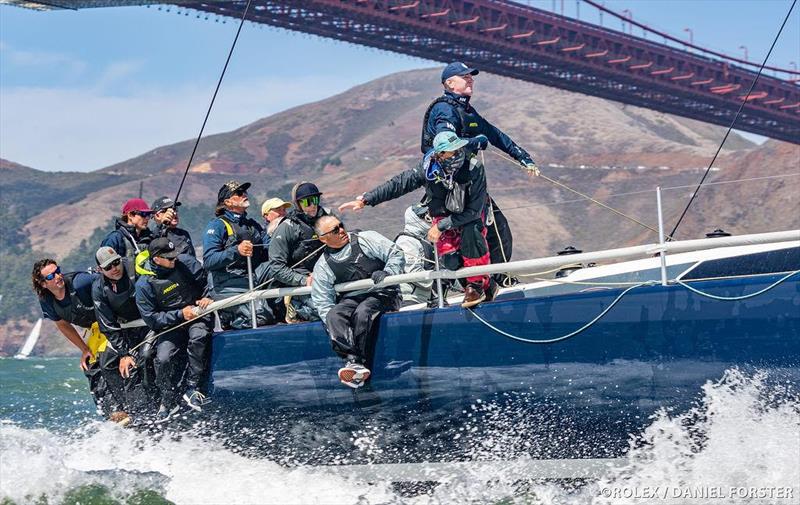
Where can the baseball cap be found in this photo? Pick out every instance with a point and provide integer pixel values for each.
(164, 203)
(105, 256)
(448, 141)
(135, 205)
(163, 248)
(274, 203)
(229, 188)
(457, 68)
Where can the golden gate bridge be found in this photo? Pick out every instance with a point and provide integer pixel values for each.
(531, 44)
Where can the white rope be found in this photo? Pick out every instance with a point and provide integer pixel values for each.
(619, 297)
(736, 298)
(569, 335)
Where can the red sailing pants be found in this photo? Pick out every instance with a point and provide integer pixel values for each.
(470, 242)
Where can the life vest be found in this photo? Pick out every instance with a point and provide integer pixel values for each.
(355, 267)
(176, 290)
(467, 128)
(123, 303)
(437, 192)
(427, 248)
(235, 233)
(308, 243)
(75, 312)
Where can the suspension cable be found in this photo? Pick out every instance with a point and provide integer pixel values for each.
(213, 98)
(730, 128)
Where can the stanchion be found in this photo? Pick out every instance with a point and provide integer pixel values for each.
(662, 253)
(253, 319)
(439, 290)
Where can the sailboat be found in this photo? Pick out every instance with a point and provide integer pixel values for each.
(30, 342)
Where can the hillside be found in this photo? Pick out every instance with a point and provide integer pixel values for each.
(350, 142)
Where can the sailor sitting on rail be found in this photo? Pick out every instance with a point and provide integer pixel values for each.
(350, 318)
(455, 193)
(168, 294)
(230, 239)
(124, 364)
(418, 251)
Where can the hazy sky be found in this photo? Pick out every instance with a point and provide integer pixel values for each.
(80, 90)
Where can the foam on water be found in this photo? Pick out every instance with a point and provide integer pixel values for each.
(744, 433)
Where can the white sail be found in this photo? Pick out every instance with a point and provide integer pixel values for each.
(30, 342)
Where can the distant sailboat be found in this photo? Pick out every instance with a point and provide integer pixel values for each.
(30, 342)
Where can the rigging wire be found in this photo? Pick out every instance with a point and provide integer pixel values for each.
(213, 98)
(730, 128)
(587, 197)
(643, 191)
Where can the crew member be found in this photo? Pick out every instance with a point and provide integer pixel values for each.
(418, 252)
(453, 112)
(127, 370)
(295, 249)
(130, 235)
(170, 293)
(66, 299)
(455, 193)
(230, 238)
(165, 215)
(351, 318)
(273, 210)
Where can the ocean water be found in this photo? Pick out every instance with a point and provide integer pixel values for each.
(740, 443)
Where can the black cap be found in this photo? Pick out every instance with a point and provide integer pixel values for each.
(163, 248)
(305, 190)
(229, 188)
(163, 203)
(457, 68)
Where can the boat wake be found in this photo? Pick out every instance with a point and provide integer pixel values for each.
(739, 444)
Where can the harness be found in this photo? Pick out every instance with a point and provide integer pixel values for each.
(123, 303)
(308, 242)
(355, 266)
(174, 291)
(76, 312)
(466, 116)
(234, 233)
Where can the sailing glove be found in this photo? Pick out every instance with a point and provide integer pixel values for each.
(531, 167)
(378, 276)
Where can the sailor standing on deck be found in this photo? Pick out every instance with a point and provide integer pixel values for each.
(453, 112)
(455, 193)
(350, 318)
(171, 292)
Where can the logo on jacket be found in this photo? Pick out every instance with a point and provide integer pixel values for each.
(169, 288)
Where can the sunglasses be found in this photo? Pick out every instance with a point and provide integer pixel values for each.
(142, 213)
(50, 277)
(113, 264)
(311, 200)
(336, 229)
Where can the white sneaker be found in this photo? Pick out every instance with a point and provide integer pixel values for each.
(353, 375)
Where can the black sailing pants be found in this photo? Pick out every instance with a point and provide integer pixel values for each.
(185, 349)
(133, 394)
(351, 322)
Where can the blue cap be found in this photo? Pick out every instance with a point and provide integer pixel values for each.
(448, 141)
(457, 68)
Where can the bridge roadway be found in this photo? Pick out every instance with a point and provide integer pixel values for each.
(523, 42)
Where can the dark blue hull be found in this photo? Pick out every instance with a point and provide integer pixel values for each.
(443, 382)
